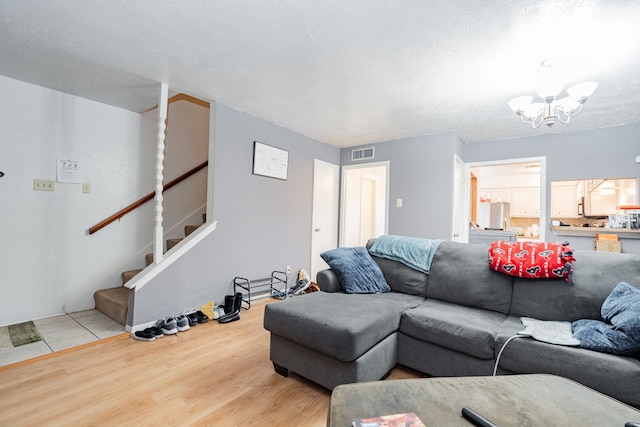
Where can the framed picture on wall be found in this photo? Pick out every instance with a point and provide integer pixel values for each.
(270, 161)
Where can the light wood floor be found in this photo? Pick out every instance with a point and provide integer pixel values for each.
(213, 375)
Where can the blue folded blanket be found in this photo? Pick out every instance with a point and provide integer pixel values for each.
(410, 251)
(619, 332)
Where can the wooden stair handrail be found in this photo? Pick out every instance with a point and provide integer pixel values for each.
(116, 216)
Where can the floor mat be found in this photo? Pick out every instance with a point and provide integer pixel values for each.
(19, 334)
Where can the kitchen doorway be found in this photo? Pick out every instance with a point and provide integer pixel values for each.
(509, 195)
(365, 200)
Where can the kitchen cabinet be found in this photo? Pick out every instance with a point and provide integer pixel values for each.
(496, 195)
(592, 197)
(564, 201)
(525, 202)
(601, 204)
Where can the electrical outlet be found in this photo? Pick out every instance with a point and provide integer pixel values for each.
(288, 270)
(43, 185)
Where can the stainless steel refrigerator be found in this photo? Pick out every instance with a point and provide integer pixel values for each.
(494, 216)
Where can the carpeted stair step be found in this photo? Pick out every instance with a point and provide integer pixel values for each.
(128, 275)
(188, 229)
(172, 242)
(113, 302)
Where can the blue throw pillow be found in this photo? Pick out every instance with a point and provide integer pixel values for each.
(357, 272)
(621, 333)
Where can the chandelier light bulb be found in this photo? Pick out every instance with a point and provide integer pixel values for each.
(582, 90)
(520, 103)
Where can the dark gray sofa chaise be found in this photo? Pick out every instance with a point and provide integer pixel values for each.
(452, 322)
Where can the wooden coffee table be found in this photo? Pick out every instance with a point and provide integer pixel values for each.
(508, 400)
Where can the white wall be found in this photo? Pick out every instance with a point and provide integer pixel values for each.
(47, 257)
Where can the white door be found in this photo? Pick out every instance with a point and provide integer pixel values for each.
(460, 202)
(324, 221)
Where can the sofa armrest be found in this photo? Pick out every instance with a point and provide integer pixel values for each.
(327, 281)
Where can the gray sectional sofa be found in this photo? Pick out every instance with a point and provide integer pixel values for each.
(452, 322)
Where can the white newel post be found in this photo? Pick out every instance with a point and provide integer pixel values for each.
(162, 118)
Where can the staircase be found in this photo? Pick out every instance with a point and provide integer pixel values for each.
(114, 302)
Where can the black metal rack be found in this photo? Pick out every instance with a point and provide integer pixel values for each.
(274, 282)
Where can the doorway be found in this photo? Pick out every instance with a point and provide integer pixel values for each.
(518, 183)
(365, 200)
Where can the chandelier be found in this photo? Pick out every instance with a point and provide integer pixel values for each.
(552, 108)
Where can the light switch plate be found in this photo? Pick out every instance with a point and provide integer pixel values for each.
(86, 188)
(43, 185)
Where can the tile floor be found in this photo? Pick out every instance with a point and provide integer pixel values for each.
(62, 332)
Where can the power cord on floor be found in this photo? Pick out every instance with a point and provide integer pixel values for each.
(495, 368)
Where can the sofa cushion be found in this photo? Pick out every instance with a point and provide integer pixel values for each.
(613, 375)
(400, 277)
(464, 329)
(339, 325)
(356, 270)
(595, 274)
(460, 274)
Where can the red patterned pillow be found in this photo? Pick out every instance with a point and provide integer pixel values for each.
(532, 260)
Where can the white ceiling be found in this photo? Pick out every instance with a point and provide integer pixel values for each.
(344, 72)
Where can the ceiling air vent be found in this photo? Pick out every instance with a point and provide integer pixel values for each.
(362, 153)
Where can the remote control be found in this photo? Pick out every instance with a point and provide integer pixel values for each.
(476, 419)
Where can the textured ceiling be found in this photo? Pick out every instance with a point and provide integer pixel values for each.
(344, 72)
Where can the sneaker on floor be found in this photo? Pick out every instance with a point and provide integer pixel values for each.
(202, 318)
(193, 318)
(169, 326)
(156, 331)
(182, 322)
(218, 312)
(144, 335)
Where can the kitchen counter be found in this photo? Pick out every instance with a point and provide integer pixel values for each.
(592, 231)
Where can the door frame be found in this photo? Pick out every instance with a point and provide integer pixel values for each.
(343, 194)
(461, 200)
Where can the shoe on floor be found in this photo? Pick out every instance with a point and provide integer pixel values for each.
(182, 322)
(218, 311)
(144, 335)
(156, 331)
(193, 318)
(229, 317)
(169, 326)
(202, 318)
